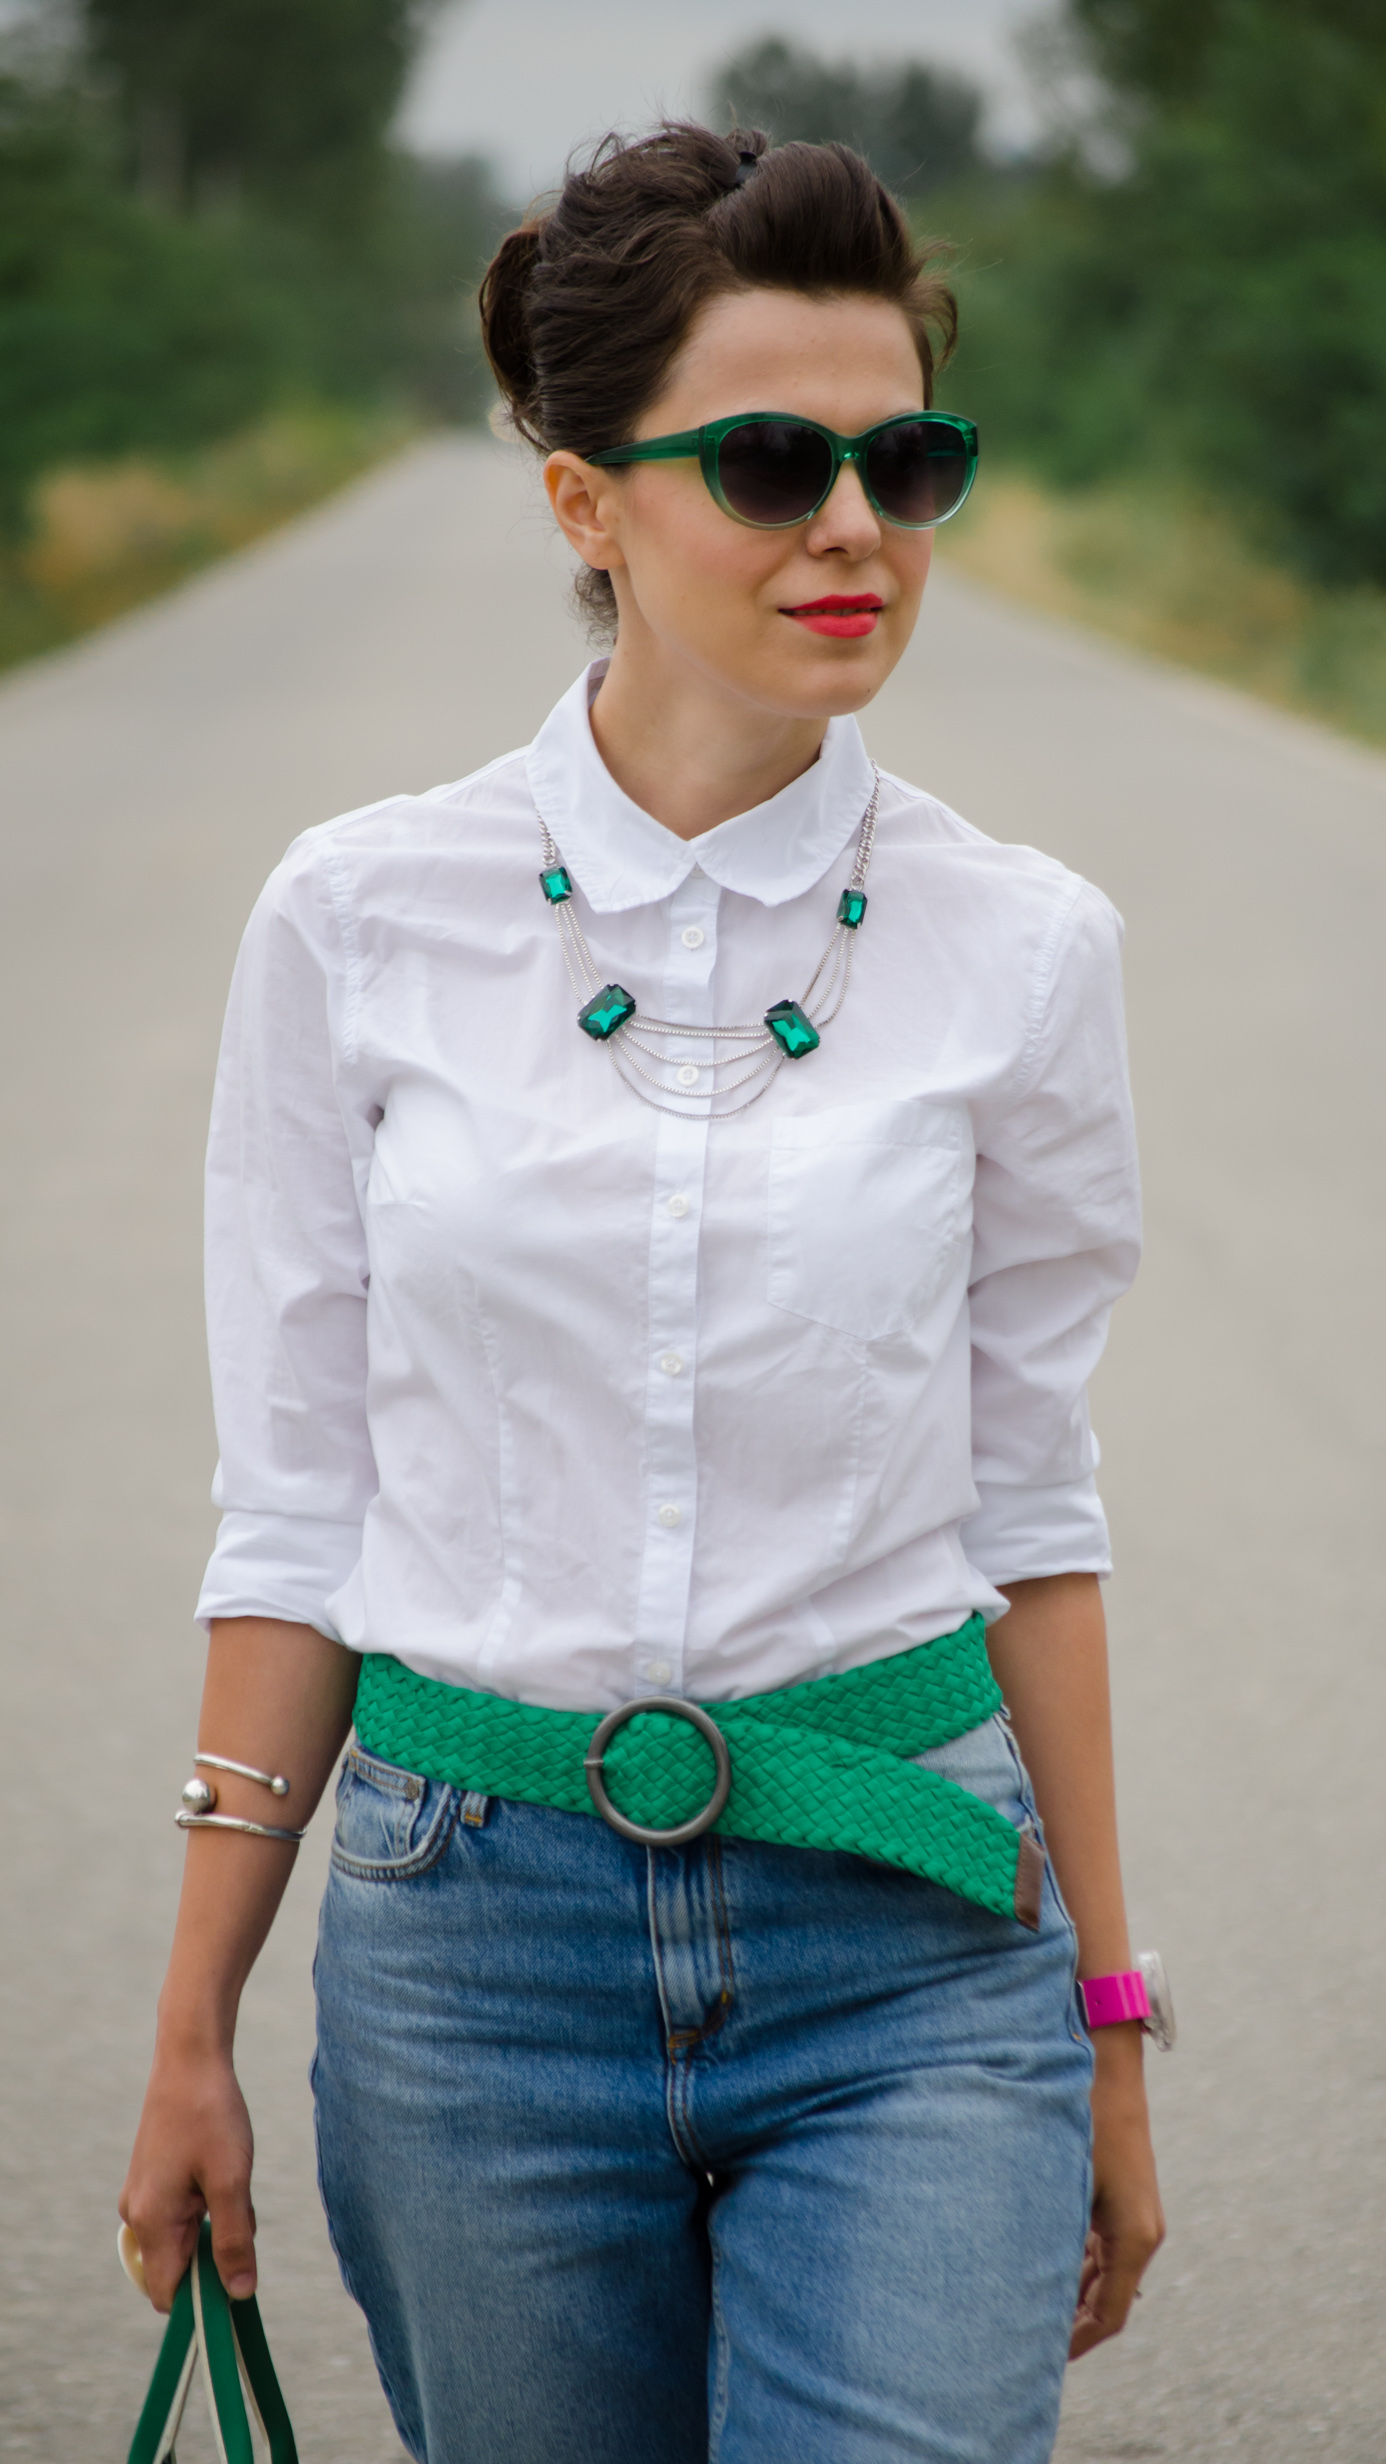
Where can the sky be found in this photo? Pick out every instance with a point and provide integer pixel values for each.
(526, 80)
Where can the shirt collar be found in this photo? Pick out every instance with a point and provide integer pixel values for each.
(621, 856)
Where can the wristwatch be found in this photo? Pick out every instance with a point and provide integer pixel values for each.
(1140, 1993)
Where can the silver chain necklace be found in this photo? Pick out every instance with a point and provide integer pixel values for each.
(757, 1053)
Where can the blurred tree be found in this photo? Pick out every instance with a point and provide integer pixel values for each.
(440, 222)
(917, 126)
(1161, 51)
(1216, 306)
(1151, 48)
(286, 101)
(125, 328)
(118, 329)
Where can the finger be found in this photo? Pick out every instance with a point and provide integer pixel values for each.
(166, 2251)
(165, 2231)
(1115, 2290)
(1091, 2268)
(1104, 2302)
(233, 2237)
(1086, 2333)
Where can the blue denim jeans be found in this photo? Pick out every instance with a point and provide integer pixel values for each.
(735, 2152)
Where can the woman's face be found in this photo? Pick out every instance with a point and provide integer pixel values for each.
(694, 586)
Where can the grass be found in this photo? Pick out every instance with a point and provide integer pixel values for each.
(1170, 575)
(102, 538)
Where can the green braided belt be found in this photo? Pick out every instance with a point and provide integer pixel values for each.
(824, 1764)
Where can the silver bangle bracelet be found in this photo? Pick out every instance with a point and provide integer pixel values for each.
(199, 1796)
(274, 1781)
(231, 1822)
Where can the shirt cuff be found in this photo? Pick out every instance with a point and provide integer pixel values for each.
(1017, 1534)
(278, 1565)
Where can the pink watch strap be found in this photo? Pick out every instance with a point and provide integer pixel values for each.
(1107, 2000)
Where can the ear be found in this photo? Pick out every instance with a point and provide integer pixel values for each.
(586, 505)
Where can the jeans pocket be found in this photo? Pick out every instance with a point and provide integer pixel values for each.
(391, 1824)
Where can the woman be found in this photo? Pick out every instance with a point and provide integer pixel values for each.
(725, 1344)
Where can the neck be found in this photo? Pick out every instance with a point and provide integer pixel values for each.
(687, 749)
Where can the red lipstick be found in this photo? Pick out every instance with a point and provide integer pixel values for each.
(846, 619)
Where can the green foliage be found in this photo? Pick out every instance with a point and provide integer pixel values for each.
(1151, 48)
(131, 325)
(283, 100)
(1216, 310)
(917, 126)
(116, 328)
(1160, 52)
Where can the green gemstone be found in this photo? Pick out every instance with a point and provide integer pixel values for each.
(556, 882)
(793, 1029)
(608, 1010)
(851, 907)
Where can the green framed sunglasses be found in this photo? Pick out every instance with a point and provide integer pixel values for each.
(772, 470)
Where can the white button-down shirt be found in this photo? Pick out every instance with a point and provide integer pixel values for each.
(556, 1395)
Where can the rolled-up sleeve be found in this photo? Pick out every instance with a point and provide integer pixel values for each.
(287, 1269)
(1056, 1241)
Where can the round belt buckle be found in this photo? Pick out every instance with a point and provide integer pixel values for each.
(639, 1831)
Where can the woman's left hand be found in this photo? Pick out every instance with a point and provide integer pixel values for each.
(1128, 2223)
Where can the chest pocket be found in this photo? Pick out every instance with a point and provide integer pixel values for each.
(866, 1213)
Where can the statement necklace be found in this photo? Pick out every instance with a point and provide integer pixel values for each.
(757, 1053)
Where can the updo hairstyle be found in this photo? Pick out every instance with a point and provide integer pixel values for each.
(584, 308)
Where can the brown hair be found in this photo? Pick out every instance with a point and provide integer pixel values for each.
(586, 305)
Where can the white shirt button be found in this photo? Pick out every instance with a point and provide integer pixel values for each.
(671, 1516)
(693, 936)
(671, 1363)
(688, 1076)
(659, 1672)
(678, 1208)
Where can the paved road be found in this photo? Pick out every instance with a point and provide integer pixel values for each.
(147, 782)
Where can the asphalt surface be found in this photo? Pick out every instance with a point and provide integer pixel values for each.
(413, 629)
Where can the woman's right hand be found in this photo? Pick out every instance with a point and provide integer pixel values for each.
(278, 1697)
(192, 2157)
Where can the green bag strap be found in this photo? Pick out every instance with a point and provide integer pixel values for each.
(228, 2338)
(168, 2388)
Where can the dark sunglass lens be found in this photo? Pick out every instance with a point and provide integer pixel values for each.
(774, 471)
(917, 472)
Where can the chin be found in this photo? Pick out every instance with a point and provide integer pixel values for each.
(827, 688)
